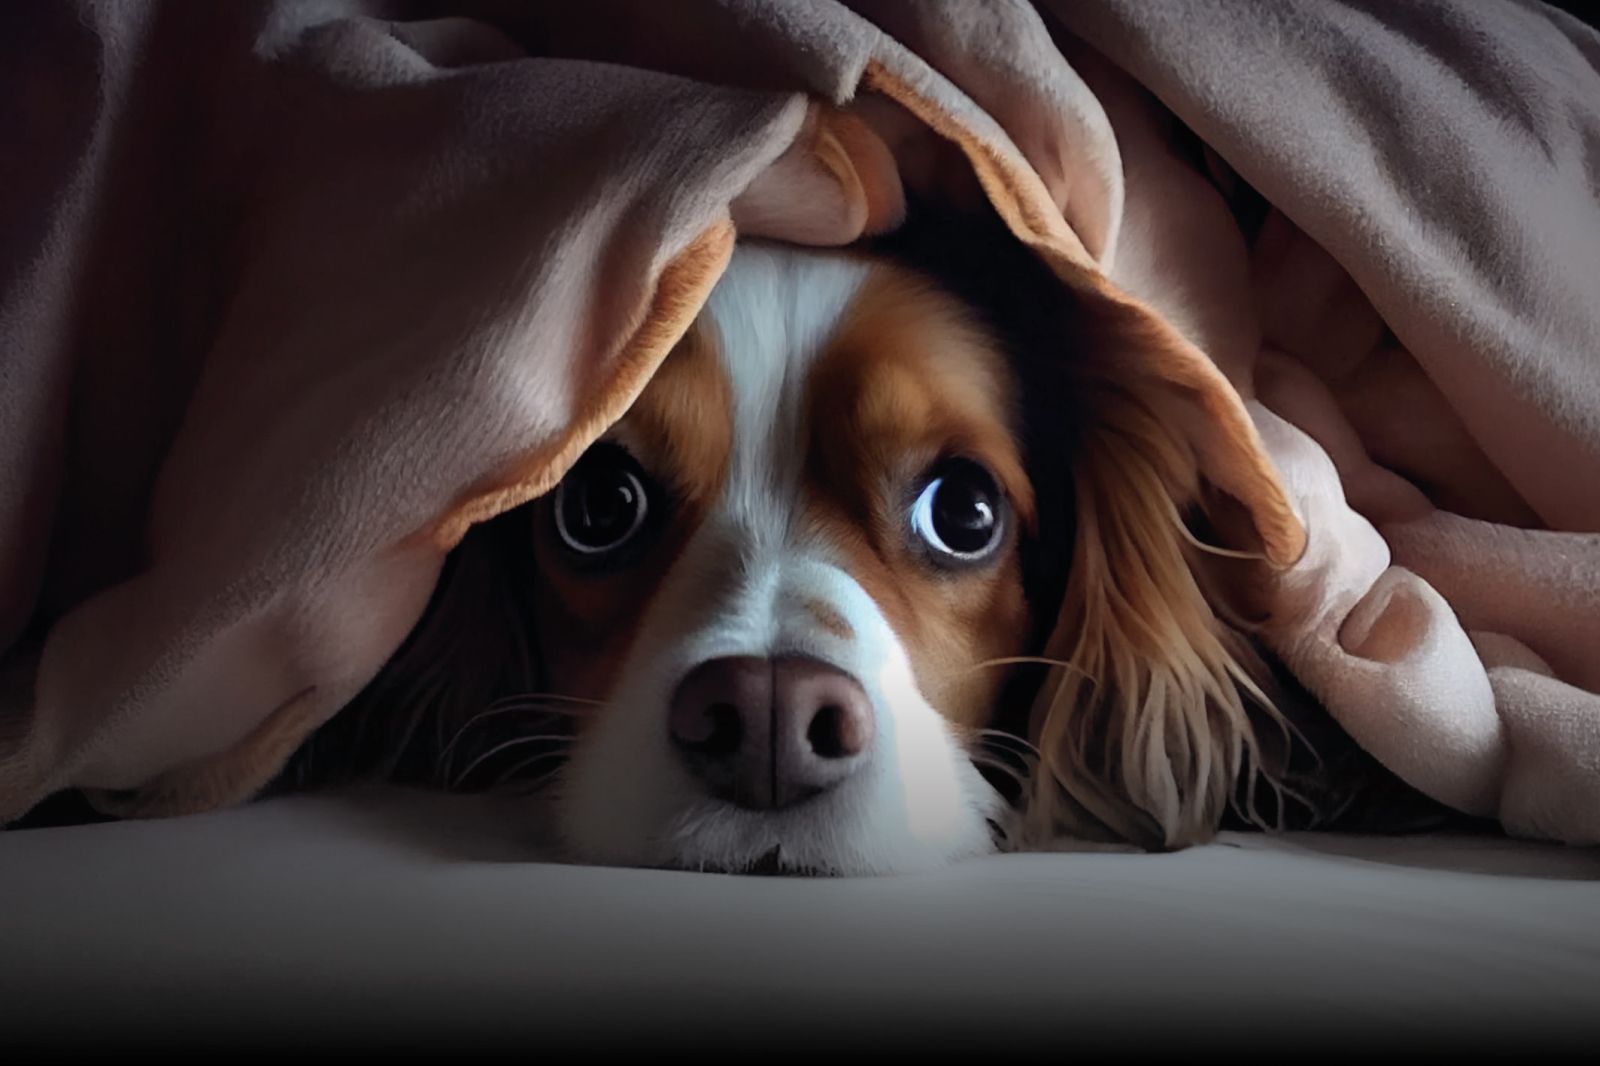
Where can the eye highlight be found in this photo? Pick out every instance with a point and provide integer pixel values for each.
(959, 516)
(601, 505)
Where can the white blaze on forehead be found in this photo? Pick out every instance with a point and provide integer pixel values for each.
(772, 314)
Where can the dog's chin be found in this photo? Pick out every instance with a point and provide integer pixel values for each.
(848, 833)
(776, 861)
(773, 864)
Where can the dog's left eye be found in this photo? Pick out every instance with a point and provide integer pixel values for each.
(602, 503)
(960, 512)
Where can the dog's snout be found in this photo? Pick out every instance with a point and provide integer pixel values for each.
(769, 733)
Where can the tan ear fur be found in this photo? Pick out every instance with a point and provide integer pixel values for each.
(1145, 733)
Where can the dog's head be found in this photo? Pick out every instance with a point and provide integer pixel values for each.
(790, 580)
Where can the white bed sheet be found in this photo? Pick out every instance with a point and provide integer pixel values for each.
(413, 919)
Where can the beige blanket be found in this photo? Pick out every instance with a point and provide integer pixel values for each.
(297, 290)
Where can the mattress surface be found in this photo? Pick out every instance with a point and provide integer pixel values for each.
(411, 919)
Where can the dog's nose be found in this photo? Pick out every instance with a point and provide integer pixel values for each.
(769, 733)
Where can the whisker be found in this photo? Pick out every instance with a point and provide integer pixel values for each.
(996, 748)
(477, 719)
(992, 737)
(502, 746)
(1011, 755)
(495, 709)
(1019, 773)
(528, 705)
(524, 764)
(1011, 660)
(1025, 756)
(1017, 769)
(555, 697)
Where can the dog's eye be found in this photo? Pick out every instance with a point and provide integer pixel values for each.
(959, 513)
(602, 502)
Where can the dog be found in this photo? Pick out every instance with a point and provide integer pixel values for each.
(890, 564)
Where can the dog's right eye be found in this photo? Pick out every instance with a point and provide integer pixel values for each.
(602, 503)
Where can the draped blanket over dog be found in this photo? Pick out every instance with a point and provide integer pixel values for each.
(294, 292)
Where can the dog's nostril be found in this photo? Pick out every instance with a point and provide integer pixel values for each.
(831, 734)
(823, 734)
(723, 730)
(720, 703)
(714, 728)
(830, 705)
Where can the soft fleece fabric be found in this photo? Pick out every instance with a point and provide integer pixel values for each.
(1427, 291)
(294, 291)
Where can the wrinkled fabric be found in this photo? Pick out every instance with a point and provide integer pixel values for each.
(286, 310)
(1425, 296)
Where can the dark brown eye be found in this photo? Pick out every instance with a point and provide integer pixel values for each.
(960, 513)
(602, 503)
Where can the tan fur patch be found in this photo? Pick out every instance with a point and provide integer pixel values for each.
(831, 620)
(908, 378)
(680, 429)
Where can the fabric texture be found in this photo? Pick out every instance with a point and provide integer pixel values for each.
(285, 313)
(1426, 290)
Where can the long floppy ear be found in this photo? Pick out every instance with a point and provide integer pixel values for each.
(1146, 729)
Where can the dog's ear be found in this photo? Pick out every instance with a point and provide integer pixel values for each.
(1147, 730)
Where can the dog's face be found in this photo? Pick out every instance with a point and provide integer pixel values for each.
(785, 575)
